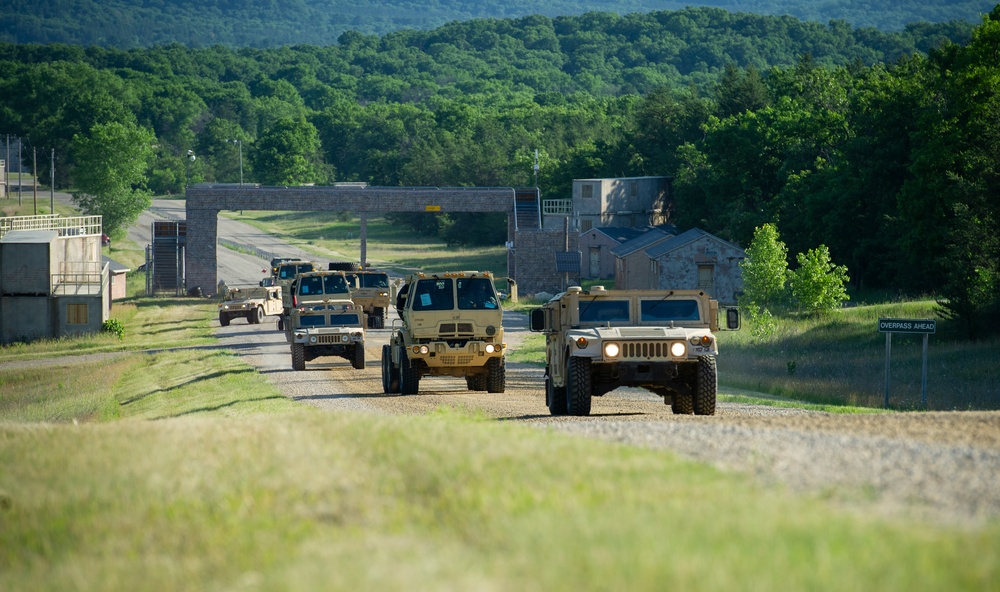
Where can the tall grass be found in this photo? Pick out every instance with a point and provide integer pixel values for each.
(841, 359)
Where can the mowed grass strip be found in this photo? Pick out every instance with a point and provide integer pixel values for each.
(339, 501)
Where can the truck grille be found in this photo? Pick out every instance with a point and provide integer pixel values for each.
(646, 350)
(453, 329)
(332, 339)
(456, 360)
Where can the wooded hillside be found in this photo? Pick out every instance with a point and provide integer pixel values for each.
(265, 23)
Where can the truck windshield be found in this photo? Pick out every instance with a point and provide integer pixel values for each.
(604, 311)
(374, 280)
(476, 294)
(323, 284)
(670, 310)
(433, 294)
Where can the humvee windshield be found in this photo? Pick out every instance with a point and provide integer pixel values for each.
(604, 311)
(326, 284)
(433, 294)
(669, 310)
(287, 272)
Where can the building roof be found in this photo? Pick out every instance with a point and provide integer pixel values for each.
(114, 266)
(621, 234)
(682, 239)
(643, 241)
(29, 236)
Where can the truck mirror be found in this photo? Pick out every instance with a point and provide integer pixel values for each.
(732, 319)
(538, 319)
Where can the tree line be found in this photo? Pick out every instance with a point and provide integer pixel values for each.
(882, 147)
(266, 23)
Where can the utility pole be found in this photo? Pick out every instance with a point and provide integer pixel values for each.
(52, 184)
(34, 180)
(19, 167)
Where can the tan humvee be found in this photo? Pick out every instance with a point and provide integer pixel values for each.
(252, 303)
(659, 340)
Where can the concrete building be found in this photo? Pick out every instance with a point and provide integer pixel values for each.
(53, 282)
(627, 201)
(596, 245)
(633, 269)
(696, 259)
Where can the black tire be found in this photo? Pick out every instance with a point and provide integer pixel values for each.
(555, 397)
(358, 357)
(579, 389)
(344, 266)
(258, 315)
(390, 374)
(378, 317)
(681, 404)
(298, 356)
(223, 319)
(281, 323)
(409, 378)
(496, 380)
(706, 387)
(475, 382)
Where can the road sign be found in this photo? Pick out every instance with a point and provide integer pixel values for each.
(907, 325)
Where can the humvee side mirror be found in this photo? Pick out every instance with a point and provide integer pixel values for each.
(537, 319)
(732, 319)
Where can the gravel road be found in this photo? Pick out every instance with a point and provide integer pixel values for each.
(944, 466)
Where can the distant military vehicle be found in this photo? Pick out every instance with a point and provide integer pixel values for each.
(252, 303)
(323, 321)
(286, 272)
(451, 326)
(659, 340)
(370, 291)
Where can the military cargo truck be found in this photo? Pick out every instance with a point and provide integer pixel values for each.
(659, 340)
(286, 272)
(252, 303)
(370, 291)
(451, 325)
(323, 321)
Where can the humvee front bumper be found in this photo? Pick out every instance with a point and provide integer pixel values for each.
(441, 354)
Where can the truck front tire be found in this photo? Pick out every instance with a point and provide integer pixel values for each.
(706, 386)
(555, 397)
(579, 389)
(409, 378)
(223, 319)
(496, 380)
(298, 356)
(358, 357)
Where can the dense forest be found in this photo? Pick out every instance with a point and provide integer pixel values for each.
(266, 23)
(885, 147)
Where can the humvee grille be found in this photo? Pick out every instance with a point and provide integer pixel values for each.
(646, 350)
(456, 360)
(332, 339)
(455, 328)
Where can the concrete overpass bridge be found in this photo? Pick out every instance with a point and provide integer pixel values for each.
(205, 201)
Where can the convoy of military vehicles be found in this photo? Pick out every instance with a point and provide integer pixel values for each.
(451, 324)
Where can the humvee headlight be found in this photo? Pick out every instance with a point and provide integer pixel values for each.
(490, 348)
(491, 330)
(312, 339)
(581, 342)
(704, 340)
(678, 349)
(611, 350)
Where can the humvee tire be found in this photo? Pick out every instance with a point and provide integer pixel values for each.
(555, 397)
(681, 404)
(390, 374)
(578, 386)
(409, 378)
(496, 380)
(257, 316)
(706, 386)
(298, 356)
(223, 319)
(358, 357)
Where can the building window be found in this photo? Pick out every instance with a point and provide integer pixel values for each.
(586, 191)
(77, 314)
(586, 225)
(633, 189)
(706, 277)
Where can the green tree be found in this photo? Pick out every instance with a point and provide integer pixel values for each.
(112, 160)
(288, 153)
(765, 272)
(817, 285)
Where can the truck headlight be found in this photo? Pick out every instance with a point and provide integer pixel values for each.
(611, 350)
(704, 340)
(312, 339)
(678, 349)
(581, 342)
(490, 348)
(420, 349)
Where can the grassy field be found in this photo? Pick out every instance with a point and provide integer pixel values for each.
(127, 468)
